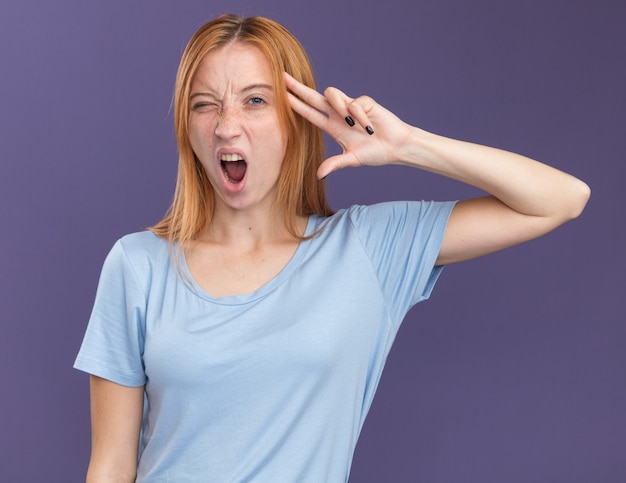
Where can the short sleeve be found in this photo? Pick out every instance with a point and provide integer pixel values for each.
(402, 240)
(113, 344)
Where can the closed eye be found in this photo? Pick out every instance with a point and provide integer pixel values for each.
(203, 106)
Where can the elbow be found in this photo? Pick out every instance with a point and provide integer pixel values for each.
(580, 199)
(577, 199)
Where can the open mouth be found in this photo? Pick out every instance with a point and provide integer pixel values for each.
(234, 167)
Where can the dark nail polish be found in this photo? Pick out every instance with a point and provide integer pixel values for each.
(369, 130)
(350, 121)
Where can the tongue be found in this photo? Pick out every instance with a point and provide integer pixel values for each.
(235, 170)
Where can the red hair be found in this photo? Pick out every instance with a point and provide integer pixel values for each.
(299, 191)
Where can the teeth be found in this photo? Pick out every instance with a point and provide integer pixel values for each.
(231, 157)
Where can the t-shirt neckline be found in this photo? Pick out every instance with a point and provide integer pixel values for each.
(263, 290)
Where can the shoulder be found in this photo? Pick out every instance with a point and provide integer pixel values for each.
(391, 213)
(385, 214)
(142, 242)
(140, 253)
(373, 224)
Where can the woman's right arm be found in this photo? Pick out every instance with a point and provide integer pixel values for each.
(116, 414)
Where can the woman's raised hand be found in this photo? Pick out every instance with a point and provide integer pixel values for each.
(528, 198)
(368, 134)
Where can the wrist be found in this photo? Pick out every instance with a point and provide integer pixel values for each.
(418, 150)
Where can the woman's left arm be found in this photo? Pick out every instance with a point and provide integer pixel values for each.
(526, 199)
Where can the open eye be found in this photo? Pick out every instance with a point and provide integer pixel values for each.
(256, 101)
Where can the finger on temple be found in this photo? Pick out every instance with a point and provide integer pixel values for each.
(306, 94)
(306, 111)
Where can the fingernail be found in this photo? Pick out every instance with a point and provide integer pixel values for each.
(369, 130)
(350, 121)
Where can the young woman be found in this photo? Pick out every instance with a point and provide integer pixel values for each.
(242, 338)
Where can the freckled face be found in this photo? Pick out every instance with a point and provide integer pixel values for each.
(234, 128)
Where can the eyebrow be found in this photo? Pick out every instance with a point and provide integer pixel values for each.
(251, 87)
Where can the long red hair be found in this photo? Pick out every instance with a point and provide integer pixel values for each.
(299, 192)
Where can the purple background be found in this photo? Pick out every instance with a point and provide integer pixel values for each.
(514, 371)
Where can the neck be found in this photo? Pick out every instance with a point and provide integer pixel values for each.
(245, 228)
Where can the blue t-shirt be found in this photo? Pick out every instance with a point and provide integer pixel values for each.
(269, 386)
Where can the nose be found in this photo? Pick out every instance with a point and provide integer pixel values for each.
(228, 124)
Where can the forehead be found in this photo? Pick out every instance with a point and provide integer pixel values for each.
(232, 66)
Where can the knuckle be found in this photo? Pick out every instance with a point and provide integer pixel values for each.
(329, 91)
(366, 100)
